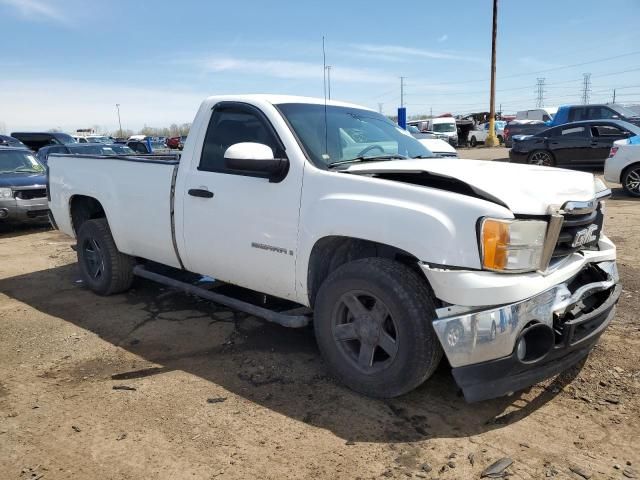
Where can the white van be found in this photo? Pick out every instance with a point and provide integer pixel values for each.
(543, 114)
(441, 126)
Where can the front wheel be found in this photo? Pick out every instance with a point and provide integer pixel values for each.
(373, 326)
(631, 181)
(473, 141)
(541, 157)
(103, 268)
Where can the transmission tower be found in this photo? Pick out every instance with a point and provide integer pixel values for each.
(540, 93)
(586, 88)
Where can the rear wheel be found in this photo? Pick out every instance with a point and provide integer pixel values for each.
(631, 180)
(473, 142)
(373, 326)
(103, 268)
(541, 157)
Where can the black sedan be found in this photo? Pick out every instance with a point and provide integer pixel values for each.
(577, 144)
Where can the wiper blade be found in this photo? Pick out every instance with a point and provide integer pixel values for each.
(374, 158)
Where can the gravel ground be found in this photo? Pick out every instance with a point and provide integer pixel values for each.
(155, 384)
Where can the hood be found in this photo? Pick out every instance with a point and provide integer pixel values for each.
(22, 180)
(437, 146)
(524, 189)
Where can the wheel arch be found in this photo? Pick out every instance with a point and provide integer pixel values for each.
(627, 168)
(330, 252)
(83, 208)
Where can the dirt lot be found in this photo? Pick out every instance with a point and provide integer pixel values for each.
(154, 384)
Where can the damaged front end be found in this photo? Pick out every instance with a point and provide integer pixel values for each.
(500, 350)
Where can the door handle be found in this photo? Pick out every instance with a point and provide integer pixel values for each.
(200, 192)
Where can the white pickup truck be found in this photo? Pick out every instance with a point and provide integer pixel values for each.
(394, 256)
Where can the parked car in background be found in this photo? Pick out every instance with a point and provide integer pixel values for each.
(623, 165)
(23, 187)
(575, 113)
(6, 141)
(36, 140)
(521, 127)
(578, 144)
(86, 149)
(172, 142)
(540, 114)
(385, 248)
(139, 146)
(94, 139)
(435, 144)
(480, 133)
(176, 142)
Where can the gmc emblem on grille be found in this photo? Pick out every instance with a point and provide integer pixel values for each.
(584, 236)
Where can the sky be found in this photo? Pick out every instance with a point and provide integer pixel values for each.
(66, 63)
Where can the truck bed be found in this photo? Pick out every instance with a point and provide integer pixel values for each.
(138, 187)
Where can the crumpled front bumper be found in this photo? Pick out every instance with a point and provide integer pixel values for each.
(482, 345)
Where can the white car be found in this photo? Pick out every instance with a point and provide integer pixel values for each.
(93, 139)
(436, 145)
(623, 165)
(479, 133)
(332, 210)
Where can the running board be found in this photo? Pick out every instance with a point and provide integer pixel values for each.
(281, 318)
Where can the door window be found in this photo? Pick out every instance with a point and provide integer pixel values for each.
(596, 113)
(607, 131)
(577, 113)
(574, 132)
(230, 125)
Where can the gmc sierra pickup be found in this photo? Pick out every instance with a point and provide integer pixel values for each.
(395, 256)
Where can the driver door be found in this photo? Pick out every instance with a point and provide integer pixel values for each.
(239, 228)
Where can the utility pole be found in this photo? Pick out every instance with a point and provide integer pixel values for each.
(540, 93)
(492, 140)
(431, 112)
(119, 122)
(586, 88)
(614, 96)
(328, 67)
(402, 92)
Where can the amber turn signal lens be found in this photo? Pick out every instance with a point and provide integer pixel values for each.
(495, 244)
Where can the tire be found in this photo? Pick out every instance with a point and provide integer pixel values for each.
(541, 157)
(103, 268)
(473, 142)
(389, 347)
(631, 180)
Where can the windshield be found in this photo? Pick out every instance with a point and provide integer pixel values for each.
(625, 112)
(12, 161)
(444, 127)
(64, 138)
(98, 139)
(350, 133)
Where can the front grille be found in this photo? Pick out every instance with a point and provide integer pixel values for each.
(31, 193)
(575, 225)
(37, 213)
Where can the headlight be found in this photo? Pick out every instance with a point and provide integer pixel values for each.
(5, 193)
(512, 245)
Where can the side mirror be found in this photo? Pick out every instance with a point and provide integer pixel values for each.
(256, 159)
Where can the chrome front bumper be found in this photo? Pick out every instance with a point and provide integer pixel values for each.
(474, 336)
